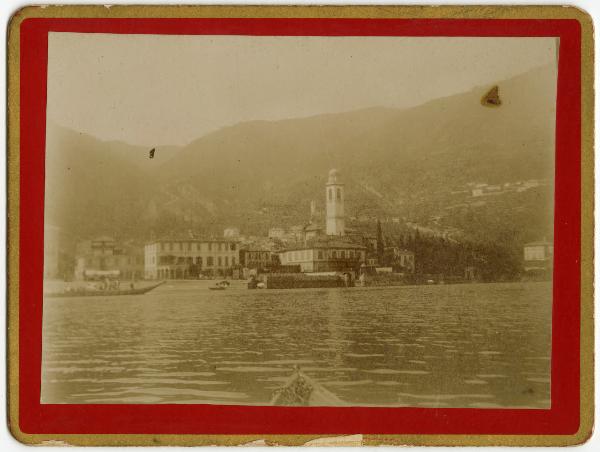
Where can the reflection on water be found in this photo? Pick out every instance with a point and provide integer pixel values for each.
(476, 345)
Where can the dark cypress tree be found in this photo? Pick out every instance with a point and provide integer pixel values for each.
(380, 249)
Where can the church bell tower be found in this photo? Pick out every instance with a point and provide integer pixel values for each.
(334, 192)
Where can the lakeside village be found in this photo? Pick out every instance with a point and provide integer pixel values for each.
(315, 255)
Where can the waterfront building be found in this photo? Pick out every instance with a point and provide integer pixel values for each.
(335, 248)
(327, 255)
(105, 256)
(189, 258)
(538, 257)
(257, 259)
(334, 193)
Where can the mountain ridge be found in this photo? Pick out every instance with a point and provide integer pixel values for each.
(263, 173)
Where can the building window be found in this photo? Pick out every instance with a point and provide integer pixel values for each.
(210, 247)
(339, 194)
(334, 254)
(232, 246)
(320, 254)
(226, 261)
(232, 261)
(220, 261)
(330, 194)
(199, 261)
(210, 261)
(189, 246)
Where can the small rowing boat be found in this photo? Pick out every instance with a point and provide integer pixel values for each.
(222, 285)
(301, 390)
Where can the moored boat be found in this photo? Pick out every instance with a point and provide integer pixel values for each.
(222, 285)
(101, 293)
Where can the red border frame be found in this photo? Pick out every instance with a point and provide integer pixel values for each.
(562, 418)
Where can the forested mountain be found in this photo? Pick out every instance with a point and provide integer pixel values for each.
(411, 164)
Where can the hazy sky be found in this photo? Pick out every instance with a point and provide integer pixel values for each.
(157, 90)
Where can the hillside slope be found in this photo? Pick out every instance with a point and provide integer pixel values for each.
(263, 173)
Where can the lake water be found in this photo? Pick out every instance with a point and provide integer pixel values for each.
(471, 345)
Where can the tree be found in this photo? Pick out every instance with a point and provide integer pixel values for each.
(380, 246)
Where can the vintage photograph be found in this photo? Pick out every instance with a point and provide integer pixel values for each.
(299, 220)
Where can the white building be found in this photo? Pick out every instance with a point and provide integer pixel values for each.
(327, 255)
(538, 256)
(188, 258)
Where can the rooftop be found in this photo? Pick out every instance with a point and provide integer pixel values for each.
(313, 227)
(194, 240)
(539, 243)
(325, 243)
